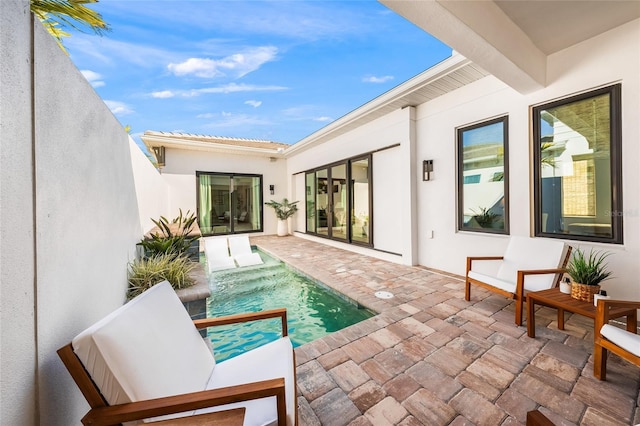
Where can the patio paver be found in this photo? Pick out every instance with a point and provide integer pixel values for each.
(431, 358)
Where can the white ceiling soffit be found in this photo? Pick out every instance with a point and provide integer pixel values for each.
(448, 75)
(179, 143)
(512, 38)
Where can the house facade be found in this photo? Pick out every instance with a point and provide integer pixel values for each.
(454, 161)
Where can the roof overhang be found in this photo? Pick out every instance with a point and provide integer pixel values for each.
(448, 75)
(156, 139)
(512, 38)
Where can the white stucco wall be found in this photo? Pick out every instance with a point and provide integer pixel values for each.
(180, 175)
(17, 262)
(152, 190)
(607, 59)
(390, 139)
(70, 217)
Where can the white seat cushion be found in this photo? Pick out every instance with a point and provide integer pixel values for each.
(493, 281)
(249, 259)
(270, 361)
(148, 348)
(525, 253)
(626, 340)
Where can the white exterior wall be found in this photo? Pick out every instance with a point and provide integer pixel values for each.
(17, 262)
(392, 181)
(152, 190)
(70, 218)
(609, 58)
(180, 174)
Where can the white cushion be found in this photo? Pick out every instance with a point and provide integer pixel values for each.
(217, 254)
(249, 259)
(148, 348)
(626, 340)
(270, 361)
(493, 281)
(525, 253)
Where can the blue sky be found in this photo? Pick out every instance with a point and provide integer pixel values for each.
(274, 70)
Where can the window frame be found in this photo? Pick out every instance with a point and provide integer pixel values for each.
(231, 175)
(615, 157)
(461, 180)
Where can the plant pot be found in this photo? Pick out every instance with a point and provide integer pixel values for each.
(584, 292)
(283, 228)
(565, 287)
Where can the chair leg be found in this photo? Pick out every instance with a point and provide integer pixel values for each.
(467, 290)
(518, 311)
(600, 362)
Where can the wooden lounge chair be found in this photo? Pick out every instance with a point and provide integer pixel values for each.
(147, 360)
(528, 264)
(624, 343)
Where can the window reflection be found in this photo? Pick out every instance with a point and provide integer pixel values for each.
(482, 189)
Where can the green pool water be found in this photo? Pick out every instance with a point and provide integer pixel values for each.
(313, 310)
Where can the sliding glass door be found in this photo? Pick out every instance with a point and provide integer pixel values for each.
(339, 201)
(229, 203)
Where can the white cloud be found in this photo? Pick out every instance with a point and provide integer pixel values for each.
(163, 94)
(224, 89)
(235, 66)
(119, 108)
(253, 103)
(93, 78)
(206, 115)
(374, 79)
(323, 119)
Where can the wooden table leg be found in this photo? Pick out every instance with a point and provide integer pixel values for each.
(531, 318)
(560, 319)
(632, 322)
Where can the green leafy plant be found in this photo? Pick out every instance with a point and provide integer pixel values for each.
(588, 270)
(171, 237)
(485, 217)
(284, 209)
(147, 272)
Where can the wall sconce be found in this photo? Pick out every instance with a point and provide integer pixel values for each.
(272, 189)
(427, 168)
(158, 152)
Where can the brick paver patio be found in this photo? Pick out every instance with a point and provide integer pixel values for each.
(431, 358)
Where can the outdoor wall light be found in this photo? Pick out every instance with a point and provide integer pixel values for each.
(158, 151)
(272, 189)
(427, 168)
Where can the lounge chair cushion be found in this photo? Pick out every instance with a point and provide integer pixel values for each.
(524, 254)
(626, 340)
(270, 361)
(125, 351)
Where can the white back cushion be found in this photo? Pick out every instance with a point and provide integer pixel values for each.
(148, 348)
(525, 253)
(239, 245)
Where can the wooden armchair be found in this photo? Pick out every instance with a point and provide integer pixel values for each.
(146, 360)
(624, 343)
(528, 264)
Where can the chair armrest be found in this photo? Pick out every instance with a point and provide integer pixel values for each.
(116, 414)
(602, 311)
(542, 271)
(246, 317)
(471, 259)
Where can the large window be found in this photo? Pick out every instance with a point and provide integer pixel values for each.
(577, 167)
(338, 201)
(229, 203)
(483, 177)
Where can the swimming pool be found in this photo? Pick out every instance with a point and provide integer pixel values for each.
(313, 310)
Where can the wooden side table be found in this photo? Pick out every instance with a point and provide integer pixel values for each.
(553, 298)
(233, 417)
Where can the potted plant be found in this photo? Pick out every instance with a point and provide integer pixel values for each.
(284, 210)
(587, 272)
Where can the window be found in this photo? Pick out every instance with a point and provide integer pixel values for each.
(482, 177)
(338, 201)
(577, 167)
(229, 203)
